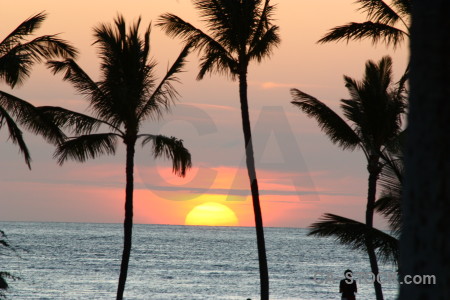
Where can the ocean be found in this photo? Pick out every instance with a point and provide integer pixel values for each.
(82, 261)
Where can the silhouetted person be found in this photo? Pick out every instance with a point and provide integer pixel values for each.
(347, 286)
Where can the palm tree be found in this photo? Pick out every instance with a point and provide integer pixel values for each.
(389, 23)
(238, 32)
(374, 111)
(126, 95)
(17, 57)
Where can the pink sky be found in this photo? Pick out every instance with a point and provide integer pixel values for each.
(207, 118)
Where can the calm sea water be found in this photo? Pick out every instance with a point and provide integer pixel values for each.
(81, 261)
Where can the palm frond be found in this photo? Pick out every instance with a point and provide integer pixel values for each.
(354, 111)
(31, 118)
(379, 74)
(389, 205)
(16, 63)
(174, 27)
(264, 22)
(83, 84)
(216, 61)
(177, 27)
(377, 32)
(220, 16)
(15, 135)
(401, 92)
(391, 182)
(75, 75)
(353, 234)
(394, 149)
(378, 11)
(332, 124)
(353, 87)
(47, 47)
(404, 7)
(170, 148)
(26, 28)
(264, 47)
(76, 123)
(84, 147)
(165, 92)
(14, 68)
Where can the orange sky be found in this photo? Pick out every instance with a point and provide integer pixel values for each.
(293, 156)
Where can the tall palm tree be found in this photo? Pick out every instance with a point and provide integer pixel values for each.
(126, 95)
(17, 57)
(388, 23)
(238, 32)
(374, 111)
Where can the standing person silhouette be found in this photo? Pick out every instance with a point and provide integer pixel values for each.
(347, 286)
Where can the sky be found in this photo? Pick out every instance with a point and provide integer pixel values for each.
(302, 175)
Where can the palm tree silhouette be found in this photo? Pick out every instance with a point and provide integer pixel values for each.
(352, 233)
(386, 23)
(375, 111)
(238, 32)
(17, 57)
(126, 95)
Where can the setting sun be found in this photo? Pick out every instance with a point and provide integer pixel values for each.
(211, 214)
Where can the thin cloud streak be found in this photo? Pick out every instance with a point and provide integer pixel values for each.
(189, 190)
(266, 85)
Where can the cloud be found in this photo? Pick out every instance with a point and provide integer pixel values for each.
(212, 106)
(266, 85)
(274, 85)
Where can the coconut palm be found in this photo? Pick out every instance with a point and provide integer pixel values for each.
(17, 57)
(388, 23)
(126, 95)
(238, 32)
(375, 111)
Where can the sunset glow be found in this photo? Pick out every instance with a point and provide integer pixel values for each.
(211, 214)
(293, 156)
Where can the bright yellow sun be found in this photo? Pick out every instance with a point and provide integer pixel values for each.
(211, 214)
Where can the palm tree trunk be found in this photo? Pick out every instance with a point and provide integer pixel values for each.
(424, 241)
(128, 223)
(263, 270)
(374, 171)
